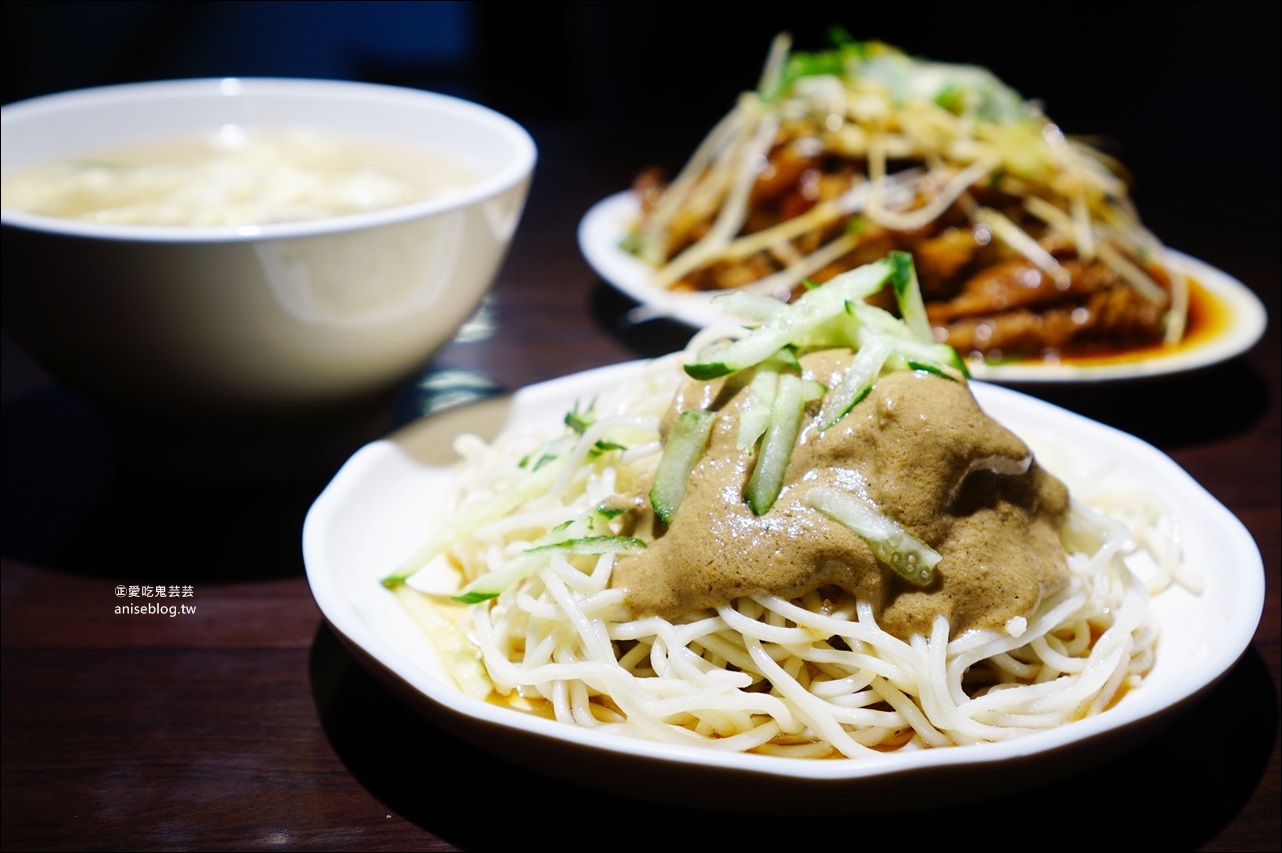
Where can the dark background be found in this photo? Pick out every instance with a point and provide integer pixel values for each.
(1185, 93)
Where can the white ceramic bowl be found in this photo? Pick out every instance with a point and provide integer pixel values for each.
(240, 324)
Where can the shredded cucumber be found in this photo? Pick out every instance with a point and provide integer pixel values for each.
(766, 480)
(754, 419)
(908, 296)
(565, 538)
(811, 309)
(751, 306)
(531, 484)
(913, 559)
(872, 320)
(461, 658)
(591, 545)
(826, 316)
(685, 445)
(864, 369)
(493, 584)
(778, 393)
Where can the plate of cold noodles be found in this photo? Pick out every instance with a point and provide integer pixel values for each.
(1033, 259)
(806, 562)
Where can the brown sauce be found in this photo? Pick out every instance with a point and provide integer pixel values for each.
(921, 450)
(1208, 317)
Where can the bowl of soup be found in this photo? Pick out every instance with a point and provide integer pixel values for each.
(220, 256)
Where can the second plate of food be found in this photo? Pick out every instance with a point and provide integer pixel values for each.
(1227, 318)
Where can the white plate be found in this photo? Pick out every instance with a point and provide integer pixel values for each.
(382, 502)
(608, 220)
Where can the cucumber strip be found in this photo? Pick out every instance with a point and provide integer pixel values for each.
(786, 357)
(908, 296)
(930, 367)
(913, 559)
(459, 656)
(755, 307)
(579, 421)
(755, 417)
(591, 545)
(811, 309)
(766, 480)
(536, 481)
(762, 388)
(493, 584)
(869, 319)
(877, 321)
(915, 355)
(685, 445)
(840, 330)
(812, 389)
(864, 369)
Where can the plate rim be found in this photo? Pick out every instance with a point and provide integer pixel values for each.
(599, 230)
(457, 711)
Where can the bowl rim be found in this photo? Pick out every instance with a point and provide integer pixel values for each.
(511, 175)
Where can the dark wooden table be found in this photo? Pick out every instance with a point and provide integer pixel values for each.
(246, 725)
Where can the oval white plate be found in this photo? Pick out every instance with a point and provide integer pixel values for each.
(608, 220)
(381, 504)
